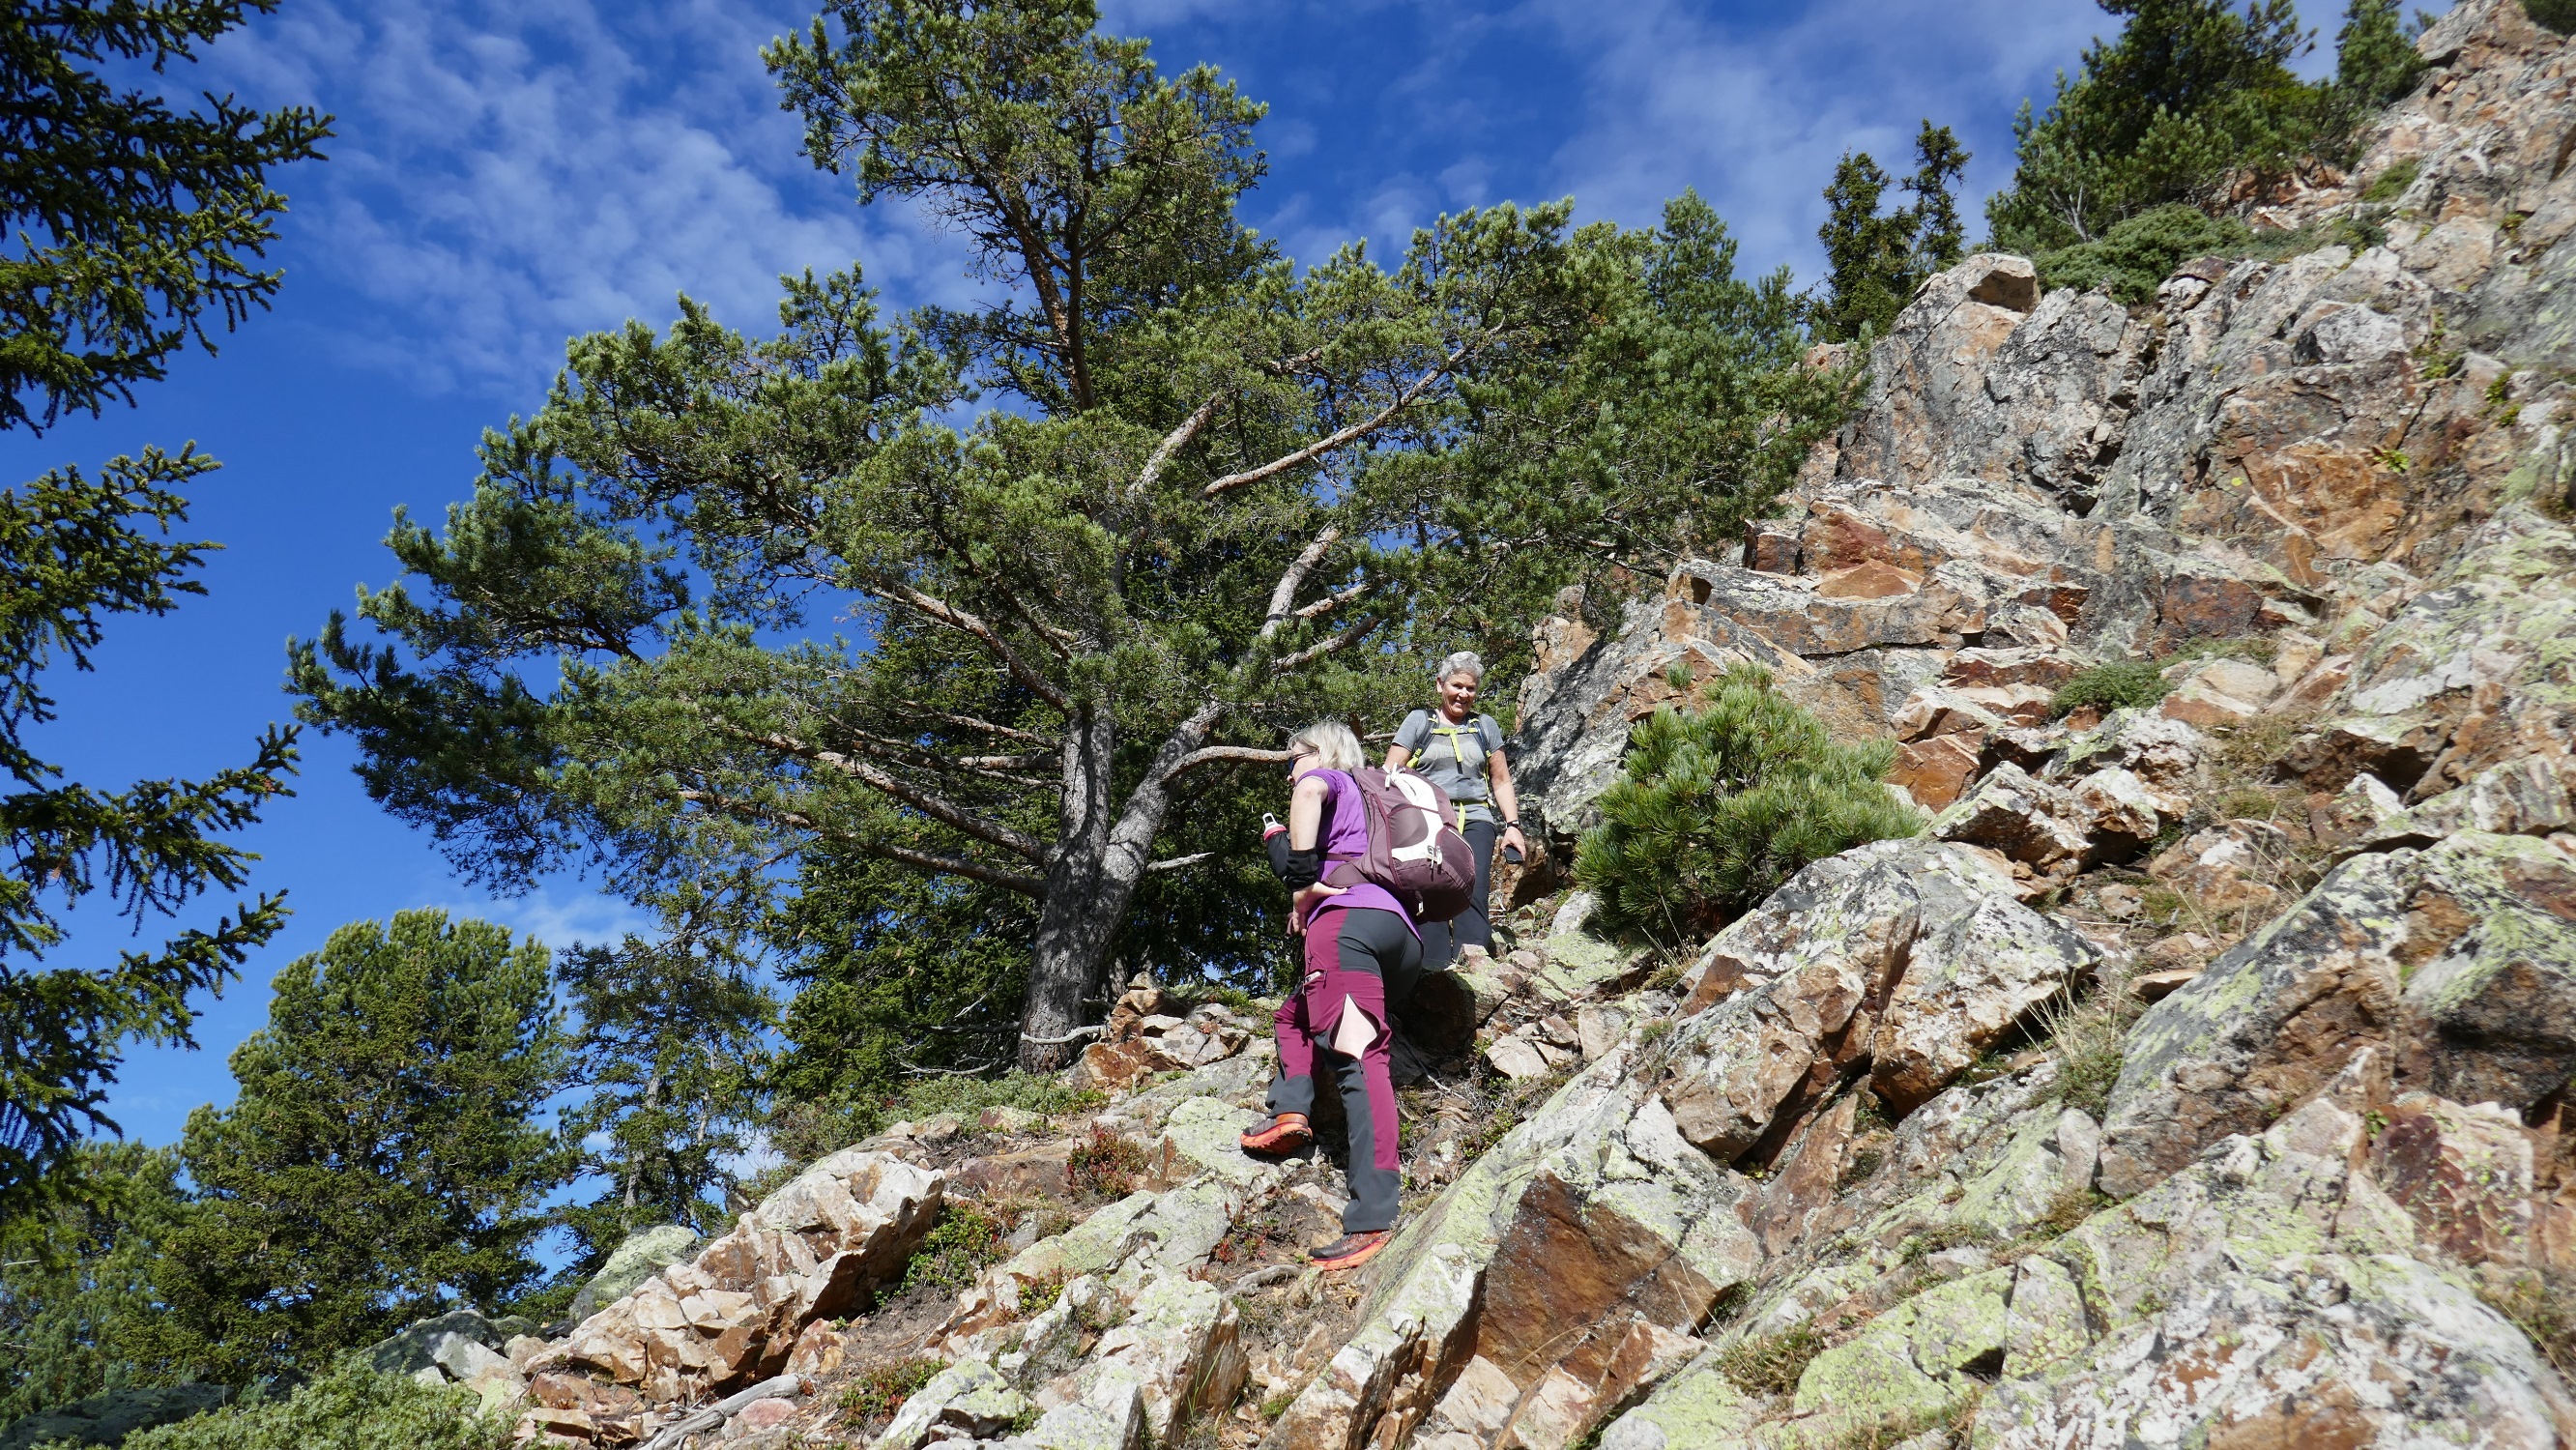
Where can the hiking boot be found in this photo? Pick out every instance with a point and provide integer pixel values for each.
(1285, 1133)
(1353, 1249)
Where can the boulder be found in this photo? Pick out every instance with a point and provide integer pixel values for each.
(968, 1396)
(2459, 959)
(2463, 1174)
(1572, 1263)
(2035, 822)
(1902, 960)
(2261, 1296)
(637, 1257)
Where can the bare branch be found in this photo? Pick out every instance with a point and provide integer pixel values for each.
(933, 806)
(1333, 601)
(1215, 753)
(1321, 648)
(1178, 439)
(1176, 863)
(969, 722)
(1321, 446)
(1294, 577)
(1076, 1035)
(1026, 885)
(948, 614)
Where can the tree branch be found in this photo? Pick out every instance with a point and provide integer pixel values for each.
(935, 807)
(948, 614)
(1026, 885)
(1293, 578)
(969, 722)
(1173, 442)
(1321, 648)
(1175, 863)
(1215, 753)
(1356, 431)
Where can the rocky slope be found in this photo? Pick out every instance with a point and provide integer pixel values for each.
(2198, 1077)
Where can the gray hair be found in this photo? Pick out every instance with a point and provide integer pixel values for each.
(1463, 662)
(1331, 742)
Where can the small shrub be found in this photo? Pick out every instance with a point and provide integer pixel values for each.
(958, 1247)
(1039, 1294)
(879, 1390)
(2392, 183)
(351, 1408)
(2120, 684)
(1771, 1364)
(2557, 15)
(1717, 807)
(1104, 1165)
(2135, 257)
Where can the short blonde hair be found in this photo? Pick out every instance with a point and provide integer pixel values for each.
(1331, 742)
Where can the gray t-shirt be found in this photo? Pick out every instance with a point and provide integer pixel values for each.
(1452, 757)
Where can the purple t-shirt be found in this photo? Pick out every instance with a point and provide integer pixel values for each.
(1345, 838)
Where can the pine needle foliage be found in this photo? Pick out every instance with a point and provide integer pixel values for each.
(1721, 804)
(351, 1408)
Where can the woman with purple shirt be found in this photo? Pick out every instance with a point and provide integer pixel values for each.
(1362, 951)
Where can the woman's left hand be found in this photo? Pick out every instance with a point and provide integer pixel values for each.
(1305, 903)
(1514, 841)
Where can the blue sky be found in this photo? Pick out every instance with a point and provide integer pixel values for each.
(508, 174)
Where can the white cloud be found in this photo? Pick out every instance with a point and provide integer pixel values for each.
(559, 916)
(507, 175)
(1755, 114)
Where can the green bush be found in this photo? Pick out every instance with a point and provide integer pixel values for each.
(1721, 805)
(2136, 256)
(351, 1408)
(2121, 684)
(957, 1248)
(2558, 15)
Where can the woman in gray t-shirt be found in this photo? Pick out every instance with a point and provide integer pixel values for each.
(1461, 752)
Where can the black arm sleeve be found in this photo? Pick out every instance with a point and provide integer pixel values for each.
(1298, 869)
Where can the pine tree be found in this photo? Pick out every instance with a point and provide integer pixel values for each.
(2193, 98)
(384, 1158)
(132, 229)
(1718, 805)
(669, 1043)
(1210, 494)
(1874, 262)
(80, 1305)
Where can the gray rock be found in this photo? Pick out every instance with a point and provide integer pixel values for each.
(2459, 959)
(969, 1395)
(417, 1345)
(640, 1256)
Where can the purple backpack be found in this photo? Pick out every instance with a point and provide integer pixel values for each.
(1414, 850)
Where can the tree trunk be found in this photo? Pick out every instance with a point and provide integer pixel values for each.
(1099, 858)
(1086, 898)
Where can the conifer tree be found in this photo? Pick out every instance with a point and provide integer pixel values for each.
(132, 228)
(668, 1041)
(1874, 262)
(80, 1304)
(1210, 494)
(384, 1157)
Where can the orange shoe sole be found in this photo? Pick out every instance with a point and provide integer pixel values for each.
(1353, 1250)
(1286, 1134)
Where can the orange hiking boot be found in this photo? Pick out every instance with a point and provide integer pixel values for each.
(1285, 1133)
(1352, 1250)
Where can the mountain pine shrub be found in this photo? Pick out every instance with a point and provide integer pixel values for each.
(1720, 805)
(351, 1408)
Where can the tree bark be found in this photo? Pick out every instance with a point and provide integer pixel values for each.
(1099, 858)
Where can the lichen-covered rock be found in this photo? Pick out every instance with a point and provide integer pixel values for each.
(1574, 1260)
(2470, 674)
(2463, 1174)
(2263, 1293)
(638, 1257)
(967, 1396)
(1906, 957)
(732, 1313)
(2460, 958)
